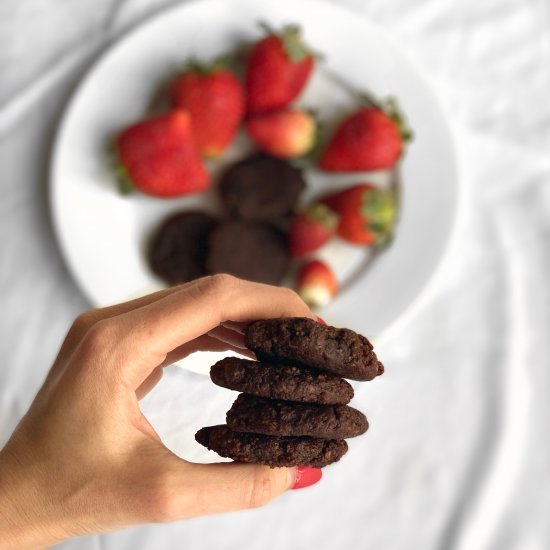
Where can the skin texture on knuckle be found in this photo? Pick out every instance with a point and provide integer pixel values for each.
(164, 504)
(103, 332)
(216, 289)
(218, 284)
(100, 339)
(82, 324)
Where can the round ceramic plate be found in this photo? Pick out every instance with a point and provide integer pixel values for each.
(103, 234)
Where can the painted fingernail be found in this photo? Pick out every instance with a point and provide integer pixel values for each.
(306, 476)
(320, 320)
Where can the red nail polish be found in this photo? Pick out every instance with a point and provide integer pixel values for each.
(306, 476)
(322, 321)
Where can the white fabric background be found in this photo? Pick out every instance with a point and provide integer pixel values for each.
(458, 456)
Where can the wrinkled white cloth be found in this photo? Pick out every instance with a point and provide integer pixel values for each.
(458, 456)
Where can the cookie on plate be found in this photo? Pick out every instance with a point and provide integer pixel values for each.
(250, 250)
(271, 450)
(279, 381)
(284, 418)
(261, 187)
(177, 252)
(302, 341)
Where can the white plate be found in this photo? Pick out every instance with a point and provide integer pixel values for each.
(102, 234)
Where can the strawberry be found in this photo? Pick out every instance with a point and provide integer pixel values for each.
(369, 139)
(311, 229)
(278, 68)
(158, 156)
(215, 100)
(367, 214)
(284, 134)
(316, 283)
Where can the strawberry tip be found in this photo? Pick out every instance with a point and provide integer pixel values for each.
(315, 296)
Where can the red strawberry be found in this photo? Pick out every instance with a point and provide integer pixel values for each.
(369, 139)
(158, 157)
(316, 284)
(215, 100)
(311, 229)
(278, 68)
(285, 134)
(367, 214)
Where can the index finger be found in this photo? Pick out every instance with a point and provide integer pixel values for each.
(149, 333)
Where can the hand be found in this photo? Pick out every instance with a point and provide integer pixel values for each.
(85, 460)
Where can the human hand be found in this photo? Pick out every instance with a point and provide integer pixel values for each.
(85, 460)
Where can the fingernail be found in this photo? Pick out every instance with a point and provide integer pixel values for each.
(306, 476)
(320, 320)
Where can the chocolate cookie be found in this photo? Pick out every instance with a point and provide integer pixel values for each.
(277, 381)
(177, 251)
(261, 188)
(271, 450)
(303, 341)
(250, 250)
(283, 418)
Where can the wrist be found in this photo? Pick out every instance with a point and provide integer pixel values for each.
(26, 520)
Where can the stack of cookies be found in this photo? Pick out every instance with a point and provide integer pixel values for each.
(293, 409)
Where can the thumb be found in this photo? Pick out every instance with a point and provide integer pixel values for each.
(204, 489)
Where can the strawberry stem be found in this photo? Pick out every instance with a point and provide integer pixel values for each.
(267, 28)
(371, 100)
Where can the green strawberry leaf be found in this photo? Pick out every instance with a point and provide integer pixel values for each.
(125, 185)
(291, 38)
(322, 214)
(124, 182)
(207, 68)
(293, 44)
(379, 208)
(377, 228)
(391, 107)
(317, 144)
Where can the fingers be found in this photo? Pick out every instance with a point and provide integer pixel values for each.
(229, 336)
(85, 321)
(235, 325)
(149, 333)
(204, 489)
(202, 343)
